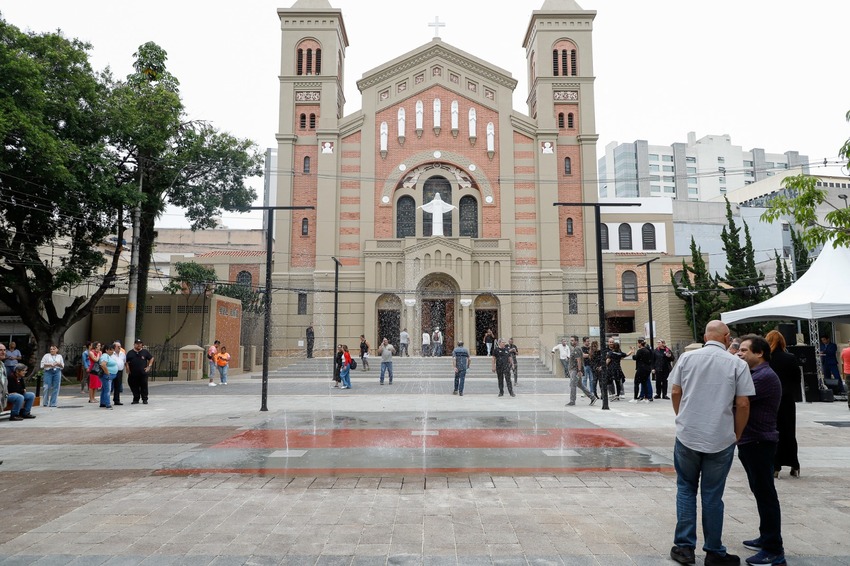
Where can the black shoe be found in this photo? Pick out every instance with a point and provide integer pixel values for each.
(16, 418)
(501, 394)
(658, 397)
(102, 405)
(27, 416)
(665, 397)
(145, 402)
(454, 392)
(683, 555)
(461, 393)
(715, 558)
(135, 402)
(754, 544)
(117, 403)
(513, 394)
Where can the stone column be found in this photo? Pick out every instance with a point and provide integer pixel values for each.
(467, 326)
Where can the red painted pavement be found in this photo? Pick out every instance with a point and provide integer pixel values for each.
(446, 438)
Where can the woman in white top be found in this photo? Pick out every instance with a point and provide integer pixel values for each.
(52, 364)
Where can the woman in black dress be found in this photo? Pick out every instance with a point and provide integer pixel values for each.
(788, 369)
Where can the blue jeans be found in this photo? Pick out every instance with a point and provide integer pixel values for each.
(212, 368)
(588, 380)
(52, 380)
(222, 373)
(106, 389)
(460, 377)
(757, 459)
(345, 375)
(646, 388)
(19, 401)
(386, 367)
(707, 472)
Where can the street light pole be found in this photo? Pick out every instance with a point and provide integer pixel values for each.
(337, 264)
(649, 297)
(597, 218)
(267, 327)
(690, 293)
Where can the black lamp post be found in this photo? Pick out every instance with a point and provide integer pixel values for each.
(649, 298)
(337, 264)
(597, 217)
(267, 330)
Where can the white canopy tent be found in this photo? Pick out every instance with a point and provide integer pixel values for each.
(822, 293)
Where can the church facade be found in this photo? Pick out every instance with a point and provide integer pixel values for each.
(436, 132)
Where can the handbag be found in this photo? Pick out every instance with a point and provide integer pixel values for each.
(96, 368)
(353, 364)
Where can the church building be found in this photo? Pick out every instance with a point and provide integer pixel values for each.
(435, 200)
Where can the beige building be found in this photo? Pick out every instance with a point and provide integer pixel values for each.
(434, 120)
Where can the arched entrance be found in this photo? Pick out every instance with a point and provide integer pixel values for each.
(438, 300)
(389, 319)
(486, 316)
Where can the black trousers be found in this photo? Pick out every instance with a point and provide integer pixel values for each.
(117, 386)
(757, 459)
(139, 386)
(661, 385)
(309, 348)
(504, 374)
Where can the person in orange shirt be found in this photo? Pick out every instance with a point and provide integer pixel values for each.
(222, 361)
(845, 357)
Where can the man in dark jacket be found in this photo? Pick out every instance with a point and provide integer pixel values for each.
(19, 398)
(643, 372)
(662, 365)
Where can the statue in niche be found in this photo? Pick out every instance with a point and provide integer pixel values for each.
(420, 115)
(385, 131)
(455, 113)
(473, 120)
(437, 111)
(401, 120)
(437, 208)
(491, 137)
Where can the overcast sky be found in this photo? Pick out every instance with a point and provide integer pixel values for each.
(771, 74)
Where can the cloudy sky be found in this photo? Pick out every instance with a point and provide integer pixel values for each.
(771, 74)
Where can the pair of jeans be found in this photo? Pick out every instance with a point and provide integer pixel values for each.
(587, 380)
(386, 367)
(460, 377)
(52, 381)
(21, 404)
(426, 350)
(222, 373)
(645, 384)
(106, 389)
(402, 349)
(212, 368)
(575, 382)
(706, 472)
(345, 375)
(757, 459)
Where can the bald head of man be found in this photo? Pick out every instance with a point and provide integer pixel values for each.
(718, 331)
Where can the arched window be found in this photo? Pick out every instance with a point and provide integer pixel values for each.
(625, 236)
(300, 64)
(571, 121)
(307, 164)
(434, 185)
(629, 286)
(555, 62)
(405, 217)
(573, 62)
(569, 226)
(648, 236)
(309, 61)
(564, 68)
(305, 227)
(312, 121)
(468, 217)
(244, 278)
(568, 166)
(318, 61)
(603, 235)
(302, 121)
(561, 120)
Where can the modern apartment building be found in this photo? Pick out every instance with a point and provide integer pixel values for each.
(701, 169)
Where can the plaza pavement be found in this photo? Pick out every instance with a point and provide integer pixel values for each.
(401, 474)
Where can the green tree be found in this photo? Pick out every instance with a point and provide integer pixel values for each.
(802, 201)
(194, 282)
(176, 161)
(252, 300)
(782, 274)
(743, 281)
(802, 261)
(699, 288)
(62, 207)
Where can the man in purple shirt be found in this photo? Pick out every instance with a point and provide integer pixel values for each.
(757, 448)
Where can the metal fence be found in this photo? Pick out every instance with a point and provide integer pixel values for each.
(166, 360)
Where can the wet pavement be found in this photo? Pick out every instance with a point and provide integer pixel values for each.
(401, 474)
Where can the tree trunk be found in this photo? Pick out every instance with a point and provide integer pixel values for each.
(147, 235)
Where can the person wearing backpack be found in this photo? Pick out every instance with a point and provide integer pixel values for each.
(460, 362)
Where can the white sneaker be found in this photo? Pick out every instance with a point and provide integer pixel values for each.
(211, 384)
(223, 383)
(633, 400)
